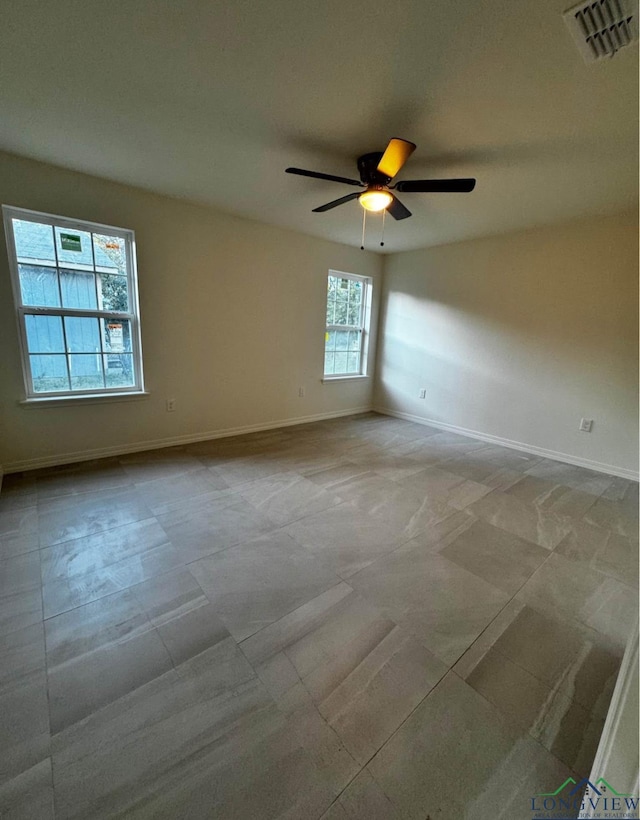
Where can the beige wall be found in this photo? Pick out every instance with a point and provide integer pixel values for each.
(519, 336)
(515, 336)
(232, 320)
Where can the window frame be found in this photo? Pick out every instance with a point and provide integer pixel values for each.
(132, 315)
(362, 328)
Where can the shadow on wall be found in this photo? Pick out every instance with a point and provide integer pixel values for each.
(555, 346)
(405, 367)
(493, 376)
(520, 336)
(552, 306)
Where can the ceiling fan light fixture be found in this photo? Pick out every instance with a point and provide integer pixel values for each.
(376, 170)
(375, 200)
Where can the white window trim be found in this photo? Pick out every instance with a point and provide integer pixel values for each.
(84, 398)
(133, 316)
(364, 328)
(350, 377)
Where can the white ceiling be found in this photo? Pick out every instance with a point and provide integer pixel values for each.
(211, 101)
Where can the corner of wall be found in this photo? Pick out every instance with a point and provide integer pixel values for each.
(506, 347)
(617, 757)
(380, 326)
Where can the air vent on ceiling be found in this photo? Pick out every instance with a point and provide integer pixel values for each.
(603, 27)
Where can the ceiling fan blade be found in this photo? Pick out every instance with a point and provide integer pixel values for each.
(317, 175)
(398, 210)
(395, 155)
(436, 186)
(335, 203)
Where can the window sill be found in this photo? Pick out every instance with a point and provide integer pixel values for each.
(359, 377)
(87, 398)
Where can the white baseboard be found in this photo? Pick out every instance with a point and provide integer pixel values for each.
(598, 466)
(617, 757)
(171, 441)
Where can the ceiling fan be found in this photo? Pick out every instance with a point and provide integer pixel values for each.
(376, 172)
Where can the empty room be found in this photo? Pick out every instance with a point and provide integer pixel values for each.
(319, 410)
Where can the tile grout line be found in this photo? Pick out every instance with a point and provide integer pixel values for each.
(48, 693)
(339, 580)
(511, 726)
(291, 611)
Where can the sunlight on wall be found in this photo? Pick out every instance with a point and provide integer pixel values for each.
(504, 342)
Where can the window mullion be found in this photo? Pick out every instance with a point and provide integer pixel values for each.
(103, 356)
(55, 251)
(64, 329)
(95, 275)
(79, 312)
(66, 351)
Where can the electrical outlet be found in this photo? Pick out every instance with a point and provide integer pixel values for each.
(171, 405)
(422, 394)
(585, 425)
(301, 392)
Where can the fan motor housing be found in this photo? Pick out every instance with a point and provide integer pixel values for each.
(367, 167)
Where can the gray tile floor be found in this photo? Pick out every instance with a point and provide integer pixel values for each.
(361, 618)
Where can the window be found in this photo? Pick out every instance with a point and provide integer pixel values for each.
(348, 311)
(76, 297)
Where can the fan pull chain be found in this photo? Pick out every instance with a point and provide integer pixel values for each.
(384, 213)
(364, 225)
